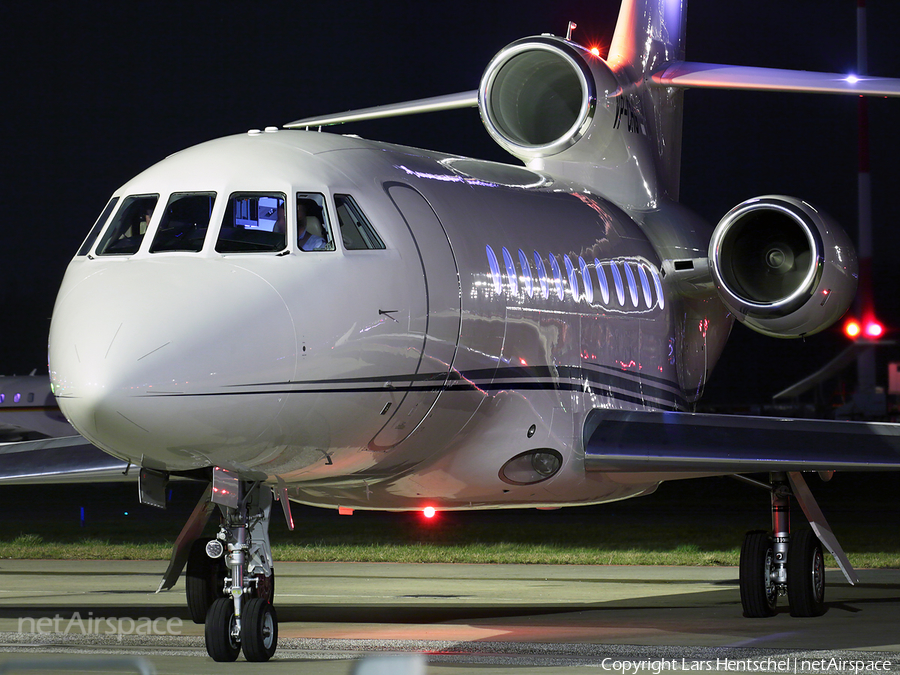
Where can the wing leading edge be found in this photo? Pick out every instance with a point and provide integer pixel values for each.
(679, 74)
(687, 74)
(622, 440)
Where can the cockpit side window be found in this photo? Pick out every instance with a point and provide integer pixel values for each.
(128, 226)
(313, 230)
(356, 231)
(254, 222)
(184, 222)
(95, 230)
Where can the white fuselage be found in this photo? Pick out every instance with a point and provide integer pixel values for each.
(504, 305)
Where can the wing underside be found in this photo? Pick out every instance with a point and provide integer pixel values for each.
(629, 441)
(69, 459)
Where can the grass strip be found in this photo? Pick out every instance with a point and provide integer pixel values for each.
(31, 546)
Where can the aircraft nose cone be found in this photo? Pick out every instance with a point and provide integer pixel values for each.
(150, 359)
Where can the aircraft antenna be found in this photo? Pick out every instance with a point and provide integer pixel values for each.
(570, 30)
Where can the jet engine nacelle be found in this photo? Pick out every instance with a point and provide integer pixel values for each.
(782, 267)
(539, 96)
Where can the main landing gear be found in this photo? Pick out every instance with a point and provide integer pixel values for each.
(784, 563)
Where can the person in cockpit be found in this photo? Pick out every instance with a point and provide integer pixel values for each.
(309, 228)
(280, 223)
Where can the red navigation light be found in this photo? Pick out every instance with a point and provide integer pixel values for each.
(873, 329)
(852, 329)
(429, 512)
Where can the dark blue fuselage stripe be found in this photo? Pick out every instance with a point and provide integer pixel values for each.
(565, 378)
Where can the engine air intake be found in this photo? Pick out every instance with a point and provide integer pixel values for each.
(537, 97)
(782, 267)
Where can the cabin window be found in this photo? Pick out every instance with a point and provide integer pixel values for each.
(184, 222)
(573, 279)
(657, 283)
(128, 226)
(527, 279)
(542, 275)
(645, 286)
(510, 272)
(620, 287)
(495, 269)
(557, 277)
(632, 284)
(604, 284)
(357, 233)
(586, 276)
(313, 229)
(254, 222)
(95, 230)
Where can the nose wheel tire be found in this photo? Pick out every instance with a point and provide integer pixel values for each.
(221, 644)
(260, 630)
(759, 594)
(806, 575)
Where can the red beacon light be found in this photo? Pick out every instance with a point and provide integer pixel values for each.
(873, 329)
(429, 512)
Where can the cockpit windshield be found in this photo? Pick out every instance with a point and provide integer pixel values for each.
(184, 222)
(313, 231)
(253, 222)
(128, 226)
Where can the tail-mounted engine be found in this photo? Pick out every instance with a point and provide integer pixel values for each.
(559, 108)
(538, 96)
(782, 267)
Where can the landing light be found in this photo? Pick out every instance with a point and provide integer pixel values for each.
(595, 51)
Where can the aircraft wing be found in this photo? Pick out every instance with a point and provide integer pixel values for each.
(67, 459)
(622, 440)
(686, 74)
(465, 99)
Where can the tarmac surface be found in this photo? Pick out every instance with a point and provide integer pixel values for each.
(82, 616)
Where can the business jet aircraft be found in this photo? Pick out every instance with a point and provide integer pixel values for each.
(301, 316)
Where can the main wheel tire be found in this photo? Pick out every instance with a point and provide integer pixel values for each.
(259, 627)
(220, 643)
(204, 581)
(759, 594)
(265, 587)
(806, 575)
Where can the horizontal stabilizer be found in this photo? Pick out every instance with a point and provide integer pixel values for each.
(686, 74)
(623, 440)
(466, 99)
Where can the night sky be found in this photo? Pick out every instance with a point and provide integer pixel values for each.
(95, 92)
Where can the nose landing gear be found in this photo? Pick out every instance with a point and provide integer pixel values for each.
(239, 614)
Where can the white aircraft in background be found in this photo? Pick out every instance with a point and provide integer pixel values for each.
(352, 324)
(37, 443)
